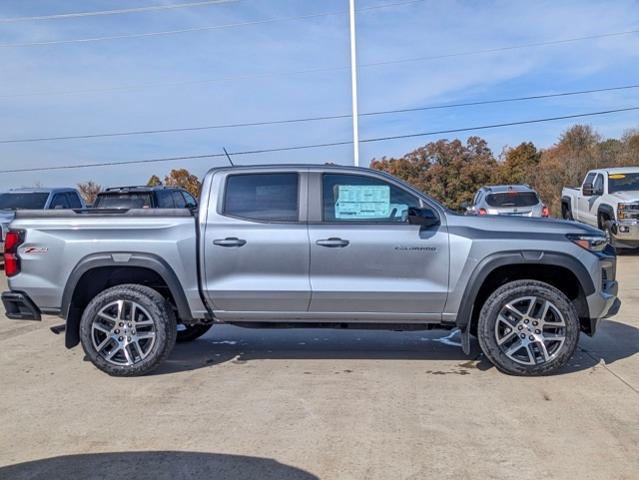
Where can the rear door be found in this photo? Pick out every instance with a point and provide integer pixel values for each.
(366, 258)
(256, 245)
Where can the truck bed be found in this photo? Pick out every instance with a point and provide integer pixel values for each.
(60, 242)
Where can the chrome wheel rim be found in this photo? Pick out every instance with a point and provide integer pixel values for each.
(123, 333)
(530, 330)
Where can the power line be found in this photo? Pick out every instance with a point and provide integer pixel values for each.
(320, 145)
(144, 86)
(116, 12)
(504, 49)
(201, 29)
(311, 119)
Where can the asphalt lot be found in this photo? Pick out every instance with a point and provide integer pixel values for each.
(308, 404)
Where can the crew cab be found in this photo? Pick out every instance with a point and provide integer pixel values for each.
(309, 246)
(35, 199)
(144, 197)
(608, 199)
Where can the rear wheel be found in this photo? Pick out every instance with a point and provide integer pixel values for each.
(529, 328)
(188, 333)
(128, 330)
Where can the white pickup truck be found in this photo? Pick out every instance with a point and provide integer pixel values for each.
(609, 200)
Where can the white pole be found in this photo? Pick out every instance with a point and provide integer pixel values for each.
(351, 10)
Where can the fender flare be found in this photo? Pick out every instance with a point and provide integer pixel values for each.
(118, 259)
(605, 208)
(502, 259)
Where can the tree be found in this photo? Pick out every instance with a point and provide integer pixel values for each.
(519, 164)
(89, 191)
(154, 181)
(184, 179)
(450, 171)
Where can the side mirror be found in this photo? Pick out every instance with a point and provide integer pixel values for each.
(425, 217)
(587, 190)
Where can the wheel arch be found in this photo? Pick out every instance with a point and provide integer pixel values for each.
(605, 209)
(557, 269)
(98, 272)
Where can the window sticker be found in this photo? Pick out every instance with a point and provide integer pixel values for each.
(616, 176)
(362, 201)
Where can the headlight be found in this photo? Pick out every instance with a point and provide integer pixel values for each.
(593, 243)
(621, 211)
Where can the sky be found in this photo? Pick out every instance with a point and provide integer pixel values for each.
(297, 68)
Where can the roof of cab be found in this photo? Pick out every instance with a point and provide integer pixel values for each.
(42, 190)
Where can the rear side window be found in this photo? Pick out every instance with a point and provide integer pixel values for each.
(123, 200)
(18, 201)
(512, 199)
(270, 197)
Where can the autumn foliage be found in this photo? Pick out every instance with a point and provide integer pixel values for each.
(452, 171)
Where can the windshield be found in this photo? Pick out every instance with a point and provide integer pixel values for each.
(123, 200)
(623, 182)
(512, 199)
(23, 201)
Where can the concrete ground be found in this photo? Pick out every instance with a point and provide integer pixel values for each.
(308, 404)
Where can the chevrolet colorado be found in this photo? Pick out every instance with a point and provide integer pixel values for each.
(309, 246)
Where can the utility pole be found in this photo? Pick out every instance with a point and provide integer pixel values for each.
(351, 11)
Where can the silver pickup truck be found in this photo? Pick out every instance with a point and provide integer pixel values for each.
(309, 246)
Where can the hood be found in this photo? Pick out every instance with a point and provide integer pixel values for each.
(626, 197)
(497, 224)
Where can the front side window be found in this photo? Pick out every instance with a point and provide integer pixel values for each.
(358, 198)
(73, 200)
(268, 197)
(164, 199)
(598, 186)
(59, 201)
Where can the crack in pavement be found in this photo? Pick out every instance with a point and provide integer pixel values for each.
(602, 362)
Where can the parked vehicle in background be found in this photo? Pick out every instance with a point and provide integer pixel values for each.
(310, 246)
(609, 200)
(144, 197)
(518, 200)
(34, 199)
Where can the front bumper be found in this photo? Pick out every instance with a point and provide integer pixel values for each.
(625, 234)
(19, 306)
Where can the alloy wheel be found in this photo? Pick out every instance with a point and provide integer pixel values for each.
(530, 330)
(123, 333)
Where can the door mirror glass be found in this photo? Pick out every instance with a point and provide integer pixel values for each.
(424, 217)
(587, 190)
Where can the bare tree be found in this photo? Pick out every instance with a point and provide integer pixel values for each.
(89, 191)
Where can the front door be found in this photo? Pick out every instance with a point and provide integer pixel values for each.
(256, 254)
(366, 257)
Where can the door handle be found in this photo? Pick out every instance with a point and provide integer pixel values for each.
(229, 242)
(332, 242)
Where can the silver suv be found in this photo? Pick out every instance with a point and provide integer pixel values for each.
(520, 200)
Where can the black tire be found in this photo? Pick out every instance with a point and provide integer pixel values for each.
(566, 212)
(188, 333)
(161, 324)
(561, 306)
(607, 229)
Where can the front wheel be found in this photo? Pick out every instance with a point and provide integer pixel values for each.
(128, 330)
(527, 327)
